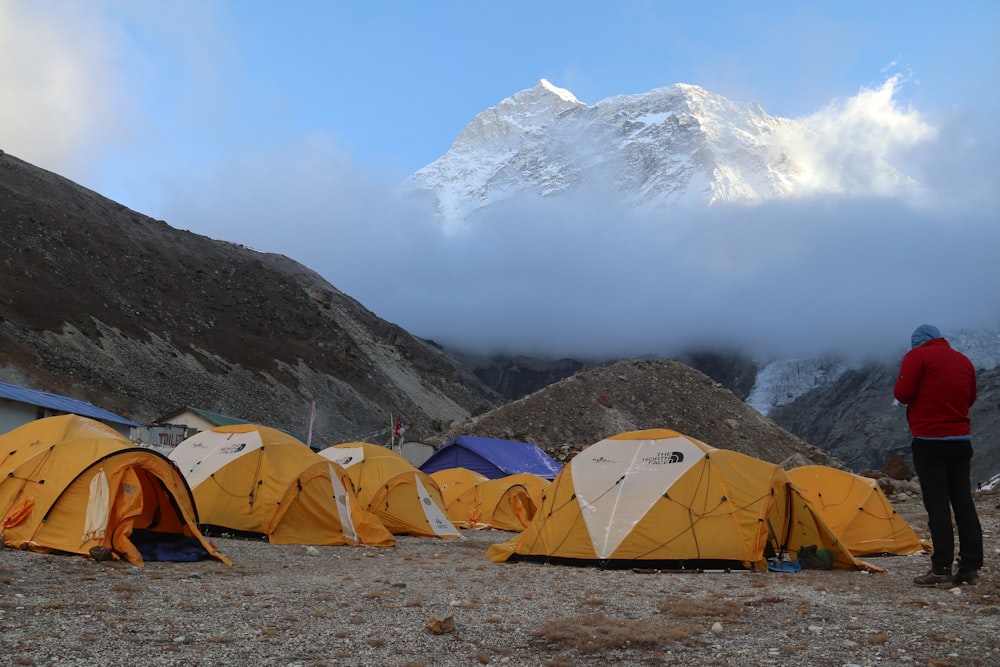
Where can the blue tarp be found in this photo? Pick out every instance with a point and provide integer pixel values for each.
(492, 457)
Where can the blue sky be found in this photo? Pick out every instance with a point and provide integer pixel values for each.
(183, 110)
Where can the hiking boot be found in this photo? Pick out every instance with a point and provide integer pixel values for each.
(932, 578)
(969, 577)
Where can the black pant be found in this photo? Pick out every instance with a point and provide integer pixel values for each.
(943, 469)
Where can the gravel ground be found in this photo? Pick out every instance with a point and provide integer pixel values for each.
(296, 605)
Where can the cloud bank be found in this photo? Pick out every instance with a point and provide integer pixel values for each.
(828, 273)
(62, 96)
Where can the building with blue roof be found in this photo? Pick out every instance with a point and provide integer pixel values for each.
(20, 405)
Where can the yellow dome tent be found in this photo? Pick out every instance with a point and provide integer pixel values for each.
(453, 482)
(474, 501)
(72, 484)
(258, 480)
(857, 510)
(657, 496)
(406, 500)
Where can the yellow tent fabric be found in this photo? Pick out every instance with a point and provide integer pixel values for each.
(406, 500)
(660, 496)
(857, 510)
(70, 484)
(259, 480)
(535, 485)
(454, 482)
(474, 501)
(505, 504)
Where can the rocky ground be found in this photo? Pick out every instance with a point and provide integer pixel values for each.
(434, 602)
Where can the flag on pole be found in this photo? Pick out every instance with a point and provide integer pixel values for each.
(401, 428)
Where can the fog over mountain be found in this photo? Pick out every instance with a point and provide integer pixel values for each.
(834, 233)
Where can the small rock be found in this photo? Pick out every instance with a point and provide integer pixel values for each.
(815, 628)
(440, 626)
(101, 554)
(897, 468)
(717, 627)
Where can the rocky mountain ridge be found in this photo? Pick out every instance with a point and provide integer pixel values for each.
(635, 394)
(846, 410)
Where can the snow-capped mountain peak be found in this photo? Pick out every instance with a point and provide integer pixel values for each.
(561, 93)
(669, 145)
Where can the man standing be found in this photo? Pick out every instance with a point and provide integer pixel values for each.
(938, 386)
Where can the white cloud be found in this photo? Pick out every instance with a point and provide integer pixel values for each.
(60, 87)
(847, 146)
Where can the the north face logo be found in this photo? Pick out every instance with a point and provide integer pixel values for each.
(233, 449)
(664, 458)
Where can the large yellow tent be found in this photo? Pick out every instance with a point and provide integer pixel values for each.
(474, 501)
(72, 484)
(406, 500)
(658, 496)
(258, 480)
(857, 510)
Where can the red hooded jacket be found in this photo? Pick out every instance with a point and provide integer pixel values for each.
(938, 386)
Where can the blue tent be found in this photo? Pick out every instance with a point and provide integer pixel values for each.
(492, 457)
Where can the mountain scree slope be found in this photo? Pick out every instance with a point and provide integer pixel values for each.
(106, 305)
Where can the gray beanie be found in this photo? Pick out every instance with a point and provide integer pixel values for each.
(924, 333)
